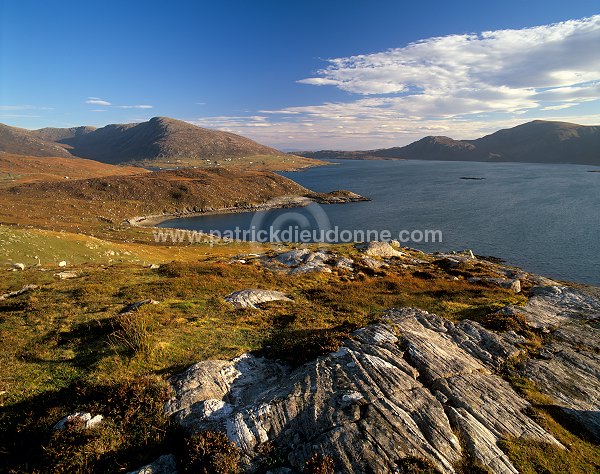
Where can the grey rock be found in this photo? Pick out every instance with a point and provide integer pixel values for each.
(66, 275)
(568, 367)
(12, 294)
(380, 249)
(86, 419)
(509, 284)
(165, 464)
(373, 263)
(252, 297)
(345, 263)
(305, 261)
(395, 389)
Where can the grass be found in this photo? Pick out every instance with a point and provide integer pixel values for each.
(581, 455)
(66, 341)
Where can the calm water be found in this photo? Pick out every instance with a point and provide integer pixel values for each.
(543, 218)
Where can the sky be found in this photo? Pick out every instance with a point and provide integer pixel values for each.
(302, 75)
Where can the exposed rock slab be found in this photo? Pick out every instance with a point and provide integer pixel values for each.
(568, 367)
(395, 389)
(252, 297)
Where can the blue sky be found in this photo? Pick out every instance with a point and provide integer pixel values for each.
(302, 74)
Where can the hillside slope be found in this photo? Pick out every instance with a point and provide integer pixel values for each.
(17, 169)
(87, 203)
(162, 139)
(20, 141)
(533, 142)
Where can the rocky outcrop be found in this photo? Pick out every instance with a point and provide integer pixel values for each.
(567, 369)
(305, 261)
(251, 298)
(413, 385)
(404, 387)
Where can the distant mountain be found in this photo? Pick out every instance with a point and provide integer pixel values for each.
(161, 141)
(20, 141)
(533, 142)
(57, 134)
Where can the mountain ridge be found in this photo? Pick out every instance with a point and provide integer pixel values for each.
(538, 141)
(156, 142)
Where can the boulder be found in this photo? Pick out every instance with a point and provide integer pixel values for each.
(380, 249)
(252, 297)
(18, 266)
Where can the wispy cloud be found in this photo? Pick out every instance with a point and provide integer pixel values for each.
(133, 106)
(459, 85)
(106, 103)
(97, 101)
(24, 107)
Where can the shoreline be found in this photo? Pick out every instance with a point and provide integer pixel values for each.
(280, 202)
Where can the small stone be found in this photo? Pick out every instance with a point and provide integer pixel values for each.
(84, 419)
(19, 266)
(66, 275)
(62, 263)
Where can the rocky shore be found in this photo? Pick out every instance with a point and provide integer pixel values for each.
(281, 202)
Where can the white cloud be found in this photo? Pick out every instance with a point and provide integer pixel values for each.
(97, 101)
(504, 70)
(105, 103)
(133, 106)
(457, 85)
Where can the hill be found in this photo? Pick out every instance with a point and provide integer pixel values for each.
(533, 142)
(161, 142)
(52, 134)
(16, 169)
(85, 204)
(20, 141)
